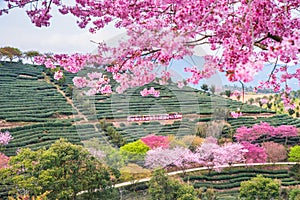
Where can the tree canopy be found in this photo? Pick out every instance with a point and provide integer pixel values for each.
(63, 170)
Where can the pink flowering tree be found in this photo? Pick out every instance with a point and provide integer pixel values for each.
(3, 160)
(265, 131)
(207, 154)
(5, 138)
(255, 154)
(286, 131)
(213, 155)
(155, 141)
(179, 157)
(275, 152)
(248, 33)
(231, 153)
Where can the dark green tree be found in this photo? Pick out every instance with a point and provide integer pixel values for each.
(228, 93)
(161, 187)
(260, 188)
(64, 169)
(204, 87)
(251, 100)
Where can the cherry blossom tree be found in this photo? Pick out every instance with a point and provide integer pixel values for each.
(231, 153)
(179, 157)
(155, 141)
(275, 152)
(3, 160)
(265, 131)
(255, 154)
(214, 155)
(5, 137)
(242, 35)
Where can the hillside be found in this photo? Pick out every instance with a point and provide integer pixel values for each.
(38, 110)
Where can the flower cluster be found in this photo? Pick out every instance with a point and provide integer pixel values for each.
(151, 91)
(209, 154)
(95, 83)
(236, 114)
(5, 137)
(244, 134)
(242, 39)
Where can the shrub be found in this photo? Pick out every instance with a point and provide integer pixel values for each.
(192, 141)
(275, 152)
(155, 141)
(134, 150)
(133, 172)
(260, 188)
(294, 154)
(163, 187)
(294, 194)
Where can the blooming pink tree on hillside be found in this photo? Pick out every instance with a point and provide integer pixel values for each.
(231, 153)
(275, 152)
(264, 130)
(155, 141)
(255, 154)
(214, 155)
(179, 157)
(248, 33)
(5, 137)
(3, 160)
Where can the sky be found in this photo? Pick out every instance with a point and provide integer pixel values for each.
(64, 36)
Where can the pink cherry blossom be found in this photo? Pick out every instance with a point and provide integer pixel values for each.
(242, 40)
(151, 91)
(58, 75)
(5, 137)
(156, 141)
(264, 130)
(236, 114)
(264, 101)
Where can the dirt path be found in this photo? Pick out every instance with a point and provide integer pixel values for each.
(4, 125)
(69, 101)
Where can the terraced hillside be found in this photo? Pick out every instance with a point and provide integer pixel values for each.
(27, 97)
(232, 178)
(37, 114)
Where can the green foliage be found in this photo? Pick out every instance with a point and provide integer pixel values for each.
(228, 93)
(113, 157)
(210, 194)
(64, 170)
(260, 188)
(10, 53)
(204, 87)
(133, 172)
(134, 150)
(163, 188)
(295, 172)
(31, 54)
(115, 137)
(294, 194)
(294, 154)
